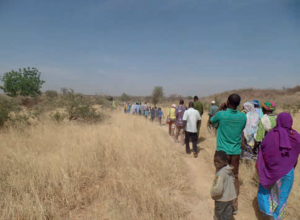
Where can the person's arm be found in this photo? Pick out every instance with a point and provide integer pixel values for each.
(243, 141)
(216, 191)
(184, 118)
(201, 109)
(198, 119)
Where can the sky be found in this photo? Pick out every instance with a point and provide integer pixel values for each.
(190, 47)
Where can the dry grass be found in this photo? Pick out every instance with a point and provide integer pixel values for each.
(48, 170)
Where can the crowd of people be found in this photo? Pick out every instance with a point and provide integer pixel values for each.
(252, 133)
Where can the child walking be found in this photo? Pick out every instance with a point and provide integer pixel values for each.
(223, 191)
(160, 115)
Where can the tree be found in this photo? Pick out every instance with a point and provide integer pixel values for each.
(157, 94)
(125, 97)
(25, 82)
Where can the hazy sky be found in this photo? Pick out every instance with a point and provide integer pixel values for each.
(187, 46)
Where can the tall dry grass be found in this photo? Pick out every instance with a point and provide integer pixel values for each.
(52, 171)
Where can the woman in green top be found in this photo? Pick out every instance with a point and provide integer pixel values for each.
(267, 122)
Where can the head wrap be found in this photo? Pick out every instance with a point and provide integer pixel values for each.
(255, 102)
(269, 106)
(252, 123)
(279, 151)
(173, 106)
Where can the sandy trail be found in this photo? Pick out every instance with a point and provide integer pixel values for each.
(200, 176)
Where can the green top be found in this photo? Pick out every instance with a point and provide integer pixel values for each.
(198, 106)
(261, 132)
(231, 125)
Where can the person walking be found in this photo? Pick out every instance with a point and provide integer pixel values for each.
(212, 111)
(276, 162)
(198, 106)
(191, 120)
(152, 114)
(223, 191)
(267, 122)
(179, 122)
(137, 109)
(171, 118)
(133, 108)
(160, 116)
(259, 111)
(231, 125)
(249, 133)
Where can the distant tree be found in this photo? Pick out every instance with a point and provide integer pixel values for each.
(157, 94)
(110, 98)
(125, 97)
(64, 91)
(190, 97)
(25, 82)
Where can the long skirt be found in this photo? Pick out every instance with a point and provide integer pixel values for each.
(247, 153)
(273, 200)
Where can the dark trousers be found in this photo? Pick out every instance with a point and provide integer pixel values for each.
(194, 138)
(223, 210)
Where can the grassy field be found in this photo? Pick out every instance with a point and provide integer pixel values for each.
(123, 168)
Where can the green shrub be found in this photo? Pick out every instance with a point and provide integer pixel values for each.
(7, 106)
(58, 117)
(80, 106)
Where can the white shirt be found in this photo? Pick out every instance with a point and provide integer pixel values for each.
(191, 116)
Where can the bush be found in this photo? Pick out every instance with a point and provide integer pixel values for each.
(7, 106)
(80, 106)
(58, 117)
(51, 94)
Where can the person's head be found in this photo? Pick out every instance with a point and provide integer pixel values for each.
(196, 98)
(248, 107)
(146, 103)
(155, 107)
(159, 109)
(173, 106)
(181, 102)
(255, 102)
(191, 104)
(268, 107)
(213, 102)
(285, 121)
(233, 101)
(220, 159)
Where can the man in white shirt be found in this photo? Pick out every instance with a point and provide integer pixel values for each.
(191, 120)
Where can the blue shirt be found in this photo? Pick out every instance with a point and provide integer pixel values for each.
(160, 114)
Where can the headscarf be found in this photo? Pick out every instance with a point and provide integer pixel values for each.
(279, 151)
(255, 102)
(173, 106)
(269, 106)
(252, 123)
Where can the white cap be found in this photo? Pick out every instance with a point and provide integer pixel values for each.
(213, 102)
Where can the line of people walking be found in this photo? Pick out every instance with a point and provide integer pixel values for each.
(252, 133)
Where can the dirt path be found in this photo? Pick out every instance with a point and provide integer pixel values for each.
(201, 175)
